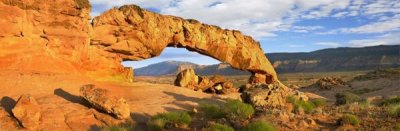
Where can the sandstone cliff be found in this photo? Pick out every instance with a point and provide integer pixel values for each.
(56, 36)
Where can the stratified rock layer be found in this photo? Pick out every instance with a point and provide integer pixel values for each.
(102, 100)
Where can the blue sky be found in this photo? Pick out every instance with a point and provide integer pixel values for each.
(280, 25)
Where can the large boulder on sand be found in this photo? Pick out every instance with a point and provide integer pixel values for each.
(217, 84)
(102, 100)
(266, 96)
(187, 78)
(27, 112)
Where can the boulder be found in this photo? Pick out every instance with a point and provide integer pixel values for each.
(187, 78)
(102, 100)
(217, 84)
(328, 83)
(204, 83)
(27, 112)
(267, 96)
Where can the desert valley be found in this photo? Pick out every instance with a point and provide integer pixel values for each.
(61, 69)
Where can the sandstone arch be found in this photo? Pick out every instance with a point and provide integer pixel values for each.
(132, 33)
(37, 33)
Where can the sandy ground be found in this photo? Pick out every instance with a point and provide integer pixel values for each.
(63, 109)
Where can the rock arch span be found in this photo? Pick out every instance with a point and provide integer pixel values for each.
(132, 33)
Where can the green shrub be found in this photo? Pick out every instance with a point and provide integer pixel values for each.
(258, 126)
(219, 127)
(212, 110)
(237, 110)
(392, 101)
(349, 119)
(319, 102)
(307, 106)
(346, 98)
(397, 127)
(123, 127)
(394, 110)
(160, 121)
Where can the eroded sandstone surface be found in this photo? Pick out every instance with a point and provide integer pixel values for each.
(27, 111)
(102, 100)
(37, 34)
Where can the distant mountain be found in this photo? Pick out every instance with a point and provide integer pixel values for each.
(337, 59)
(164, 68)
(332, 59)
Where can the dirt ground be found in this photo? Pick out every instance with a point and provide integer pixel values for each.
(63, 109)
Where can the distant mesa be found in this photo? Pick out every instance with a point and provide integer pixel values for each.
(325, 60)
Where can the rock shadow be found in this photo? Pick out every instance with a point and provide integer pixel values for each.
(94, 128)
(70, 97)
(179, 98)
(141, 121)
(8, 103)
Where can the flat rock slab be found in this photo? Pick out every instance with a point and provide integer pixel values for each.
(102, 100)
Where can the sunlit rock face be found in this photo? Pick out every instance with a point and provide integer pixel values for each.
(39, 33)
(135, 34)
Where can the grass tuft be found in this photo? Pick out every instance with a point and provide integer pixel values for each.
(307, 106)
(349, 119)
(319, 102)
(219, 127)
(160, 121)
(258, 126)
(212, 110)
(394, 110)
(237, 110)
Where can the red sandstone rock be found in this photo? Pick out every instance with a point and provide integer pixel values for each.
(27, 111)
(37, 33)
(102, 100)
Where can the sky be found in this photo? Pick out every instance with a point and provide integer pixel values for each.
(279, 25)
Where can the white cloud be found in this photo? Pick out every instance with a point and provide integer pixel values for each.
(263, 18)
(387, 25)
(305, 29)
(387, 39)
(330, 44)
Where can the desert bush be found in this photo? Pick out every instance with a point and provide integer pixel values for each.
(237, 110)
(307, 106)
(392, 101)
(319, 102)
(219, 127)
(394, 110)
(122, 127)
(258, 126)
(349, 119)
(160, 121)
(212, 110)
(346, 98)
